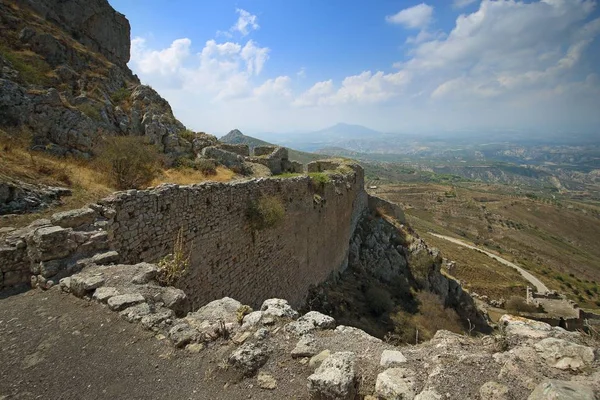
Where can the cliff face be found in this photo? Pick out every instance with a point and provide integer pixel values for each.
(64, 79)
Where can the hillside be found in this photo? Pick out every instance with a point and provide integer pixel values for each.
(237, 137)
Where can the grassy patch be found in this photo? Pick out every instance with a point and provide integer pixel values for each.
(319, 179)
(32, 68)
(90, 110)
(119, 96)
(266, 212)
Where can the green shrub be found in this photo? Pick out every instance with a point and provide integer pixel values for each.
(187, 134)
(128, 162)
(266, 212)
(90, 110)
(120, 95)
(174, 266)
(319, 180)
(184, 162)
(32, 68)
(379, 300)
(206, 166)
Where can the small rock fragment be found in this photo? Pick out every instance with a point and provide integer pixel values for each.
(266, 381)
(123, 301)
(392, 358)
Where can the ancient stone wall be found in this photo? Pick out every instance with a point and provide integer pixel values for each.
(228, 257)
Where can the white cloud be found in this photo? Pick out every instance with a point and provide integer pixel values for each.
(463, 3)
(517, 61)
(246, 22)
(418, 16)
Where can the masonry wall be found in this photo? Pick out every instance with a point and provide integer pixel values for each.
(228, 258)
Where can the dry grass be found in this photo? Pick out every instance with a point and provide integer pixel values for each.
(87, 182)
(189, 176)
(558, 242)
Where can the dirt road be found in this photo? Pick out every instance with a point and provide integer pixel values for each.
(540, 287)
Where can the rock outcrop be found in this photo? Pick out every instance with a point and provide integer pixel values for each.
(64, 77)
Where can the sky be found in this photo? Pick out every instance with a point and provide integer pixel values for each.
(394, 66)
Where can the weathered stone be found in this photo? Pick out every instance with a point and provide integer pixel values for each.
(74, 218)
(173, 298)
(182, 334)
(249, 357)
(83, 283)
(317, 360)
(51, 268)
(122, 301)
(251, 320)
(136, 313)
(428, 395)
(562, 354)
(102, 294)
(561, 390)
(195, 348)
(224, 310)
(392, 358)
(157, 319)
(261, 334)
(50, 243)
(266, 381)
(241, 337)
(523, 327)
(395, 384)
(493, 391)
(319, 320)
(278, 308)
(306, 347)
(109, 257)
(146, 273)
(334, 378)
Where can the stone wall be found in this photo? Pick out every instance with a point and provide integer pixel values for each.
(228, 258)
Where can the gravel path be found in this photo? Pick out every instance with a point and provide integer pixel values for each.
(540, 287)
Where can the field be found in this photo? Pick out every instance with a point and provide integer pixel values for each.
(557, 240)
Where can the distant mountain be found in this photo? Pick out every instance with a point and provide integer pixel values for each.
(334, 136)
(237, 137)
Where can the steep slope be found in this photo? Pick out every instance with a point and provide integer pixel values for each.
(237, 137)
(64, 79)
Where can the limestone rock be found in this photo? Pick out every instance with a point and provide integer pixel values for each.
(251, 320)
(249, 357)
(195, 348)
(428, 395)
(146, 273)
(106, 258)
(266, 381)
(136, 312)
(306, 347)
(317, 360)
(562, 354)
(561, 390)
(80, 284)
(159, 318)
(123, 301)
(392, 358)
(182, 334)
(175, 299)
(224, 310)
(278, 308)
(309, 322)
(74, 218)
(102, 294)
(493, 391)
(395, 384)
(50, 243)
(334, 379)
(523, 327)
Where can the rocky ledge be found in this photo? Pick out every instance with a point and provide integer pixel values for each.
(524, 359)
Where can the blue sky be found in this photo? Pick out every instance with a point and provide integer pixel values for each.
(396, 66)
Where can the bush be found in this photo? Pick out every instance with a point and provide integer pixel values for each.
(128, 162)
(173, 266)
(266, 212)
(518, 304)
(319, 179)
(206, 166)
(120, 95)
(90, 110)
(379, 300)
(187, 134)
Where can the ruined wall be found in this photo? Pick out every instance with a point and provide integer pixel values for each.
(228, 258)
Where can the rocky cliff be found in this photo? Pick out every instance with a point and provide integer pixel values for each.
(64, 79)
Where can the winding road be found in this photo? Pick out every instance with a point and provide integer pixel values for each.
(540, 287)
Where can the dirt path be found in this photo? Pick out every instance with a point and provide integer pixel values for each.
(540, 287)
(56, 346)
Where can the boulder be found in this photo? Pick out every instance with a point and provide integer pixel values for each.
(122, 301)
(526, 328)
(81, 284)
(278, 308)
(395, 384)
(334, 378)
(561, 390)
(74, 218)
(249, 357)
(50, 243)
(493, 391)
(306, 347)
(224, 310)
(563, 354)
(392, 358)
(309, 322)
